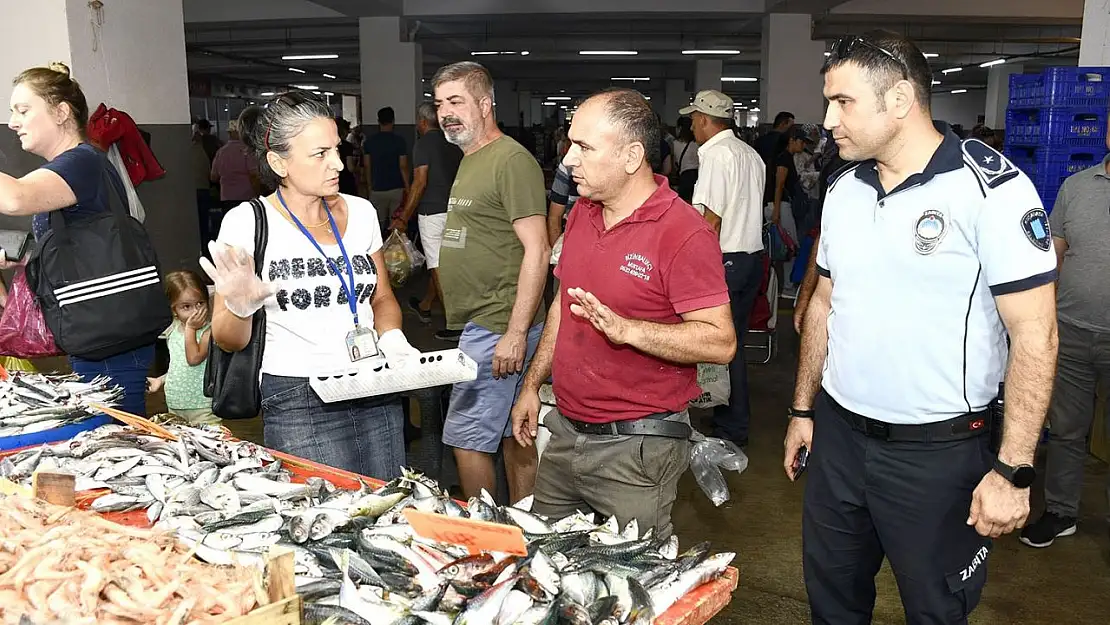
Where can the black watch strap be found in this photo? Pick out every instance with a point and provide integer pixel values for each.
(794, 413)
(1021, 476)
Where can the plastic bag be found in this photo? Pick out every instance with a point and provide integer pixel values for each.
(715, 387)
(400, 258)
(778, 243)
(23, 331)
(708, 458)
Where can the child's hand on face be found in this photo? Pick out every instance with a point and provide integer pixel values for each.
(198, 319)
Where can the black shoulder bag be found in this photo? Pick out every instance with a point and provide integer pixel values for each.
(231, 378)
(98, 281)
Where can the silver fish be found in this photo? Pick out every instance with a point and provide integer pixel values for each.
(221, 497)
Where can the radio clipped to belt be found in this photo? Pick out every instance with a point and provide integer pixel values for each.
(996, 411)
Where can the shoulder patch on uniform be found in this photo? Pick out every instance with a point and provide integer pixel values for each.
(991, 166)
(1034, 224)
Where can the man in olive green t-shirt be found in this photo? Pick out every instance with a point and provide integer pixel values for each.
(493, 266)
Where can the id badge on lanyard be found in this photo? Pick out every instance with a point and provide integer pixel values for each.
(362, 343)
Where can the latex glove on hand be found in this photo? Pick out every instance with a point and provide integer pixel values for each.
(396, 349)
(232, 269)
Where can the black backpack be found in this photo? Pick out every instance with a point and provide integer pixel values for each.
(98, 281)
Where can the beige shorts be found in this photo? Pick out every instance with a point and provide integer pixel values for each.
(200, 416)
(431, 236)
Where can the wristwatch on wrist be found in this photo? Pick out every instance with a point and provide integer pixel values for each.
(793, 413)
(1021, 476)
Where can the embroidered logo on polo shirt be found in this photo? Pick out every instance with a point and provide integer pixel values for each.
(637, 265)
(1035, 226)
(929, 231)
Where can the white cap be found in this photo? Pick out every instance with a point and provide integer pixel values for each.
(712, 103)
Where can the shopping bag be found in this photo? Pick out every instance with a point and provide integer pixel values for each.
(401, 258)
(780, 247)
(715, 388)
(23, 330)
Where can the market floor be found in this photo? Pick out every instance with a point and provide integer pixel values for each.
(1068, 583)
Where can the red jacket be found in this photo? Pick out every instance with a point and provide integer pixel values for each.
(108, 126)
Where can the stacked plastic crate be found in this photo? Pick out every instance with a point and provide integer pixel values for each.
(1056, 124)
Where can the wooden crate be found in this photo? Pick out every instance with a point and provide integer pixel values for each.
(702, 603)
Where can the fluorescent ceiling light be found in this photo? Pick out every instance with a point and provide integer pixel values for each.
(755, 101)
(992, 63)
(711, 52)
(317, 93)
(294, 69)
(329, 93)
(631, 78)
(647, 97)
(308, 57)
(738, 79)
(608, 52)
(306, 87)
(558, 98)
(427, 95)
(485, 53)
(936, 82)
(329, 76)
(951, 70)
(959, 91)
(549, 103)
(267, 94)
(524, 53)
(828, 54)
(563, 107)
(930, 55)
(755, 109)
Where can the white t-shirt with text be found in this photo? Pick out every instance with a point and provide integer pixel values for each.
(308, 321)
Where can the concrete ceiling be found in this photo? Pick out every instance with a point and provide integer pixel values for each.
(247, 46)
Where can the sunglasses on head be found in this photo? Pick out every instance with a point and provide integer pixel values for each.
(845, 47)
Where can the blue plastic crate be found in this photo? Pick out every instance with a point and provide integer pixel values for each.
(1073, 127)
(1076, 86)
(1025, 158)
(1026, 90)
(1023, 127)
(52, 436)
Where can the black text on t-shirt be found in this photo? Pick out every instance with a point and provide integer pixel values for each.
(323, 295)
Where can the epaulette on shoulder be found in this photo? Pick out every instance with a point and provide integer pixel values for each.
(990, 166)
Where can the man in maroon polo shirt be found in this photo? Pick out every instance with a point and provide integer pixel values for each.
(642, 300)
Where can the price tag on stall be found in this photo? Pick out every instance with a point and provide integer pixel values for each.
(476, 536)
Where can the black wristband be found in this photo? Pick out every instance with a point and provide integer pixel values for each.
(800, 414)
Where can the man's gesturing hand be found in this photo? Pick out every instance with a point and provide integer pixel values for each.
(586, 306)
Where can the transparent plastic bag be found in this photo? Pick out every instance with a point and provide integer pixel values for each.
(23, 330)
(400, 258)
(715, 386)
(708, 459)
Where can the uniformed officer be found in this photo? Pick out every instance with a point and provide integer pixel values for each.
(893, 385)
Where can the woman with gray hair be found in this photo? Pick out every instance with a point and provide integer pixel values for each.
(324, 289)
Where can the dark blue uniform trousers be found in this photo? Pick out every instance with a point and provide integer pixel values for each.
(867, 498)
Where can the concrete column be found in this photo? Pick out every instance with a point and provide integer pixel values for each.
(130, 55)
(1094, 49)
(536, 104)
(790, 72)
(524, 105)
(350, 109)
(674, 99)
(391, 73)
(507, 103)
(998, 93)
(708, 74)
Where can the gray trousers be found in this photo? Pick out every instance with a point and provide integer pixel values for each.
(1084, 358)
(386, 202)
(632, 477)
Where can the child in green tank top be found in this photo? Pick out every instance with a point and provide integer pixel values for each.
(187, 340)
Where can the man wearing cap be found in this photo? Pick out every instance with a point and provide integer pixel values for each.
(729, 192)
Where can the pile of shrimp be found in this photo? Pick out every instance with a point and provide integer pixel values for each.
(62, 565)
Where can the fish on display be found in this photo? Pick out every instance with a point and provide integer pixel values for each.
(356, 558)
(33, 402)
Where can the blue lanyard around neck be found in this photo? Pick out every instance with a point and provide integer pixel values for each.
(349, 289)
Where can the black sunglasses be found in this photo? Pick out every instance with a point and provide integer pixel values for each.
(844, 47)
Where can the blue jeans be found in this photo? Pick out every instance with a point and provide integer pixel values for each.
(743, 275)
(364, 436)
(128, 370)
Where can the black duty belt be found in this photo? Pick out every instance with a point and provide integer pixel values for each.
(651, 425)
(956, 429)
